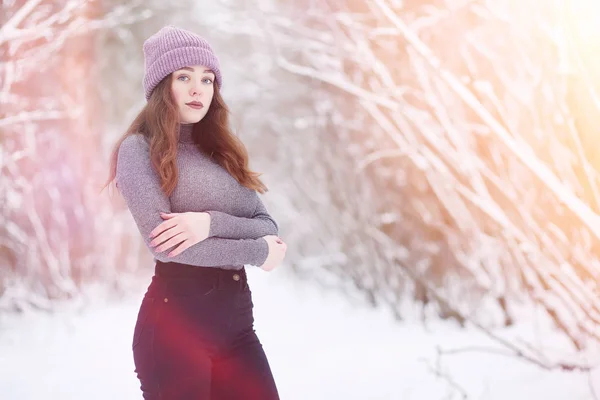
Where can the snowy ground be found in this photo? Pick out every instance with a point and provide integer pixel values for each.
(320, 347)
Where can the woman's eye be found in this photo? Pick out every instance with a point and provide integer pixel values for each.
(208, 79)
(182, 76)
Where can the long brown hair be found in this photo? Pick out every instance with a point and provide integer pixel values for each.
(159, 121)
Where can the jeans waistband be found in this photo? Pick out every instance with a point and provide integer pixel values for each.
(223, 278)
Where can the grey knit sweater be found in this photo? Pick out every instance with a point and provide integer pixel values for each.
(238, 217)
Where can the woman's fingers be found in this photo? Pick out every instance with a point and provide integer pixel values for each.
(166, 235)
(161, 229)
(176, 239)
(186, 244)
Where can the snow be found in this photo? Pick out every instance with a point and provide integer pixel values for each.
(320, 346)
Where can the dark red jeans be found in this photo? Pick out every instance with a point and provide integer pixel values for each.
(194, 337)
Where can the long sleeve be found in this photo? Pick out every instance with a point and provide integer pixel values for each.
(140, 186)
(260, 224)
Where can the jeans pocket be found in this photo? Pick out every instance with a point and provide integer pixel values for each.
(142, 320)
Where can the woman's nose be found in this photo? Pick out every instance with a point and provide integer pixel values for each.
(195, 90)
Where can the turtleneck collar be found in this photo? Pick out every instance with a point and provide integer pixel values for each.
(185, 133)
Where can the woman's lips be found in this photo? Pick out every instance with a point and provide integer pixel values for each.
(195, 105)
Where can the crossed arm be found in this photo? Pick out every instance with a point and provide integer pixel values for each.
(260, 224)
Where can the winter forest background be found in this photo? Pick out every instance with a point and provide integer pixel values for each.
(436, 160)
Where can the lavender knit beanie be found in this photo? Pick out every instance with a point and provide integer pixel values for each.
(173, 48)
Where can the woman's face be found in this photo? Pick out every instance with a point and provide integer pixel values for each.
(193, 91)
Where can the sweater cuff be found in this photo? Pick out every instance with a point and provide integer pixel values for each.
(262, 252)
(213, 229)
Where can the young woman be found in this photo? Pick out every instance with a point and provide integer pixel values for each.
(184, 176)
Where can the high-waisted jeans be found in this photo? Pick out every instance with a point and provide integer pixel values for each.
(195, 339)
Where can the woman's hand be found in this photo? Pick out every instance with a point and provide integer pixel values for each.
(185, 229)
(277, 249)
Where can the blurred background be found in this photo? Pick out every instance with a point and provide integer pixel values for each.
(429, 162)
